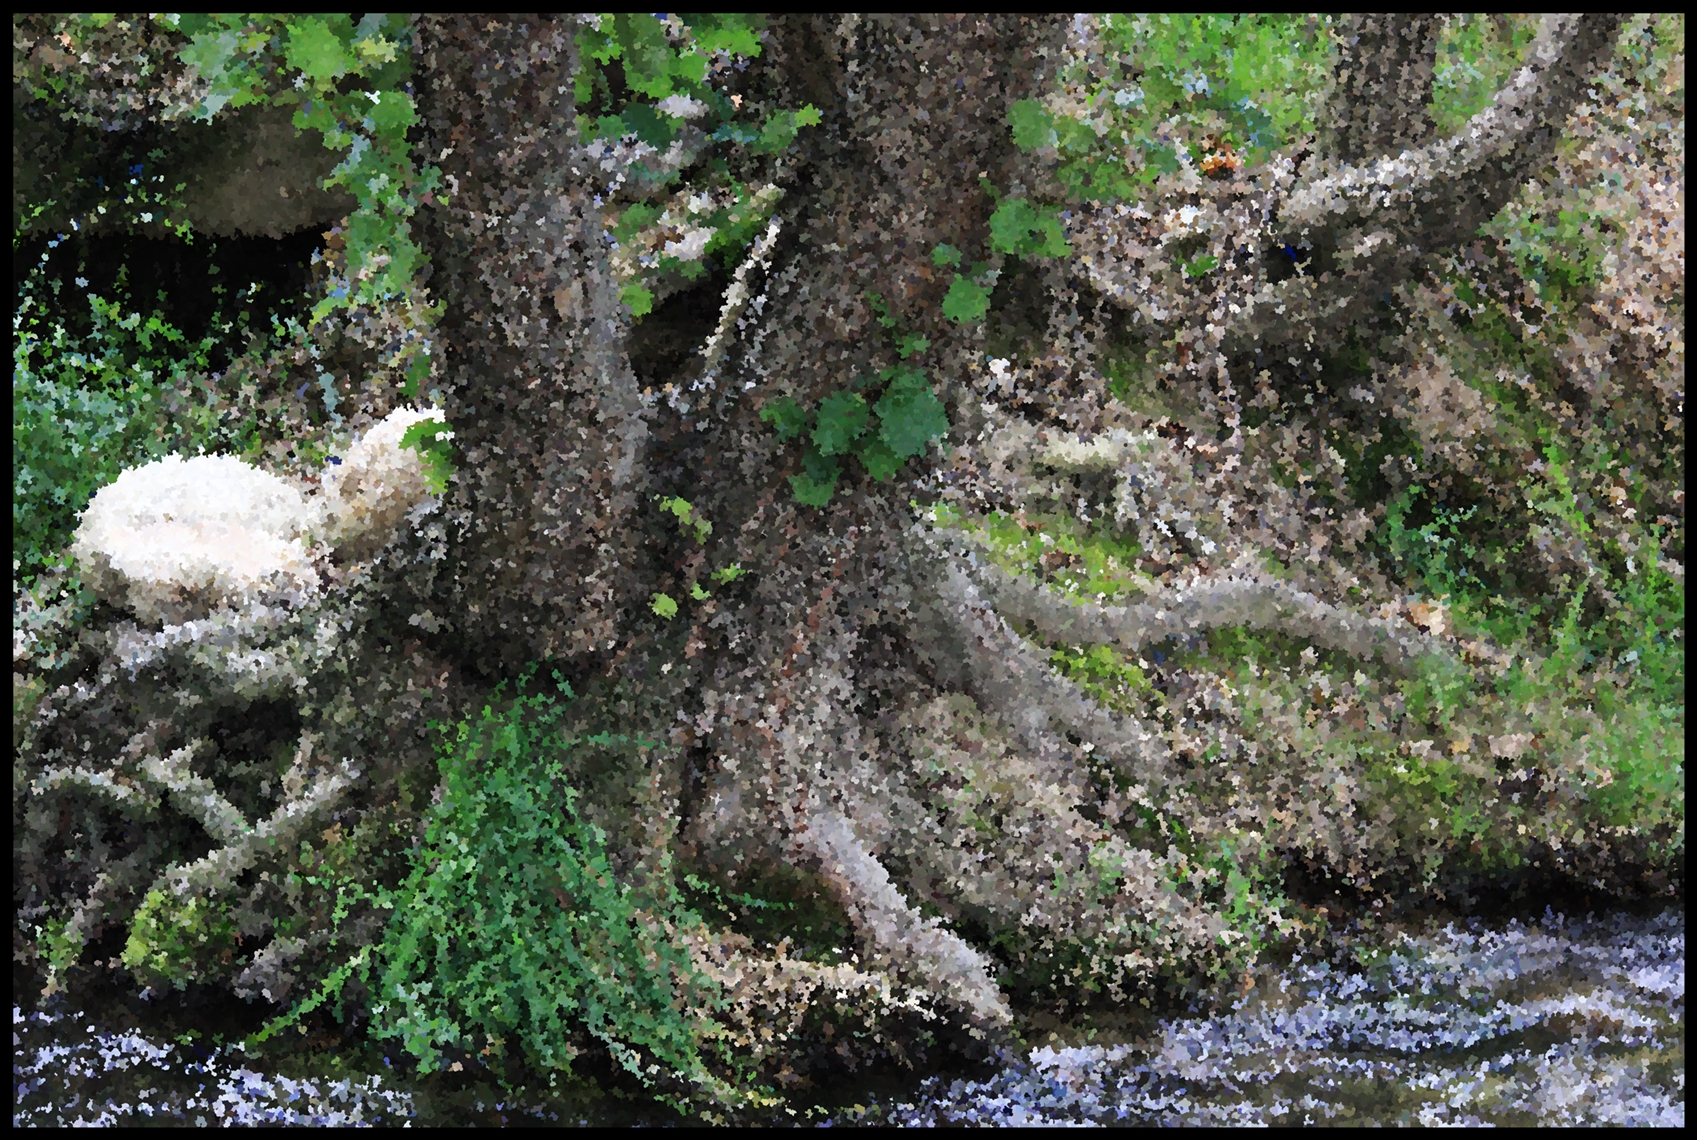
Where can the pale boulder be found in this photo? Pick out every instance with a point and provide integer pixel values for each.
(175, 539)
(369, 493)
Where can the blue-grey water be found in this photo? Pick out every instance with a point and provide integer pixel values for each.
(1561, 1021)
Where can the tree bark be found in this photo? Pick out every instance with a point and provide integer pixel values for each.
(547, 546)
(1381, 85)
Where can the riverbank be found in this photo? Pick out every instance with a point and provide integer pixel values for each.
(1560, 1021)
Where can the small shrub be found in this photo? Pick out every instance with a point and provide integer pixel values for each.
(513, 927)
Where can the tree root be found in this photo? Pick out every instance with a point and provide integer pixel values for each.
(934, 955)
(219, 870)
(196, 797)
(969, 639)
(1259, 603)
(1022, 859)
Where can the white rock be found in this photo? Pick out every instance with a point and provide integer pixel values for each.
(174, 539)
(376, 484)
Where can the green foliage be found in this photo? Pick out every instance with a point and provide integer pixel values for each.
(654, 65)
(913, 345)
(968, 298)
(61, 948)
(638, 298)
(910, 414)
(513, 928)
(1019, 228)
(170, 938)
(1085, 561)
(85, 407)
(635, 64)
(430, 439)
(1102, 672)
(664, 606)
(882, 309)
(785, 415)
(817, 480)
(1032, 126)
(1177, 84)
(687, 517)
(1476, 56)
(909, 417)
(966, 301)
(347, 82)
(841, 419)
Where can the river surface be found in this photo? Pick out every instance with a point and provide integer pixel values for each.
(1559, 1021)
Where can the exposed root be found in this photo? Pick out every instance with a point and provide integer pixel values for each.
(779, 1006)
(934, 955)
(1017, 855)
(1260, 603)
(220, 869)
(1480, 164)
(966, 636)
(197, 797)
(138, 804)
(271, 974)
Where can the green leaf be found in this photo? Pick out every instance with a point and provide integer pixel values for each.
(1018, 228)
(696, 592)
(317, 52)
(648, 55)
(664, 606)
(634, 219)
(876, 301)
(781, 129)
(393, 112)
(875, 455)
(430, 439)
(786, 415)
(1204, 264)
(811, 493)
(732, 33)
(687, 517)
(842, 419)
(638, 297)
(945, 255)
(1032, 125)
(911, 344)
(966, 301)
(818, 479)
(649, 125)
(728, 574)
(911, 414)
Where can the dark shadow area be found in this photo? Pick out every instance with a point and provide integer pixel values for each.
(663, 343)
(223, 287)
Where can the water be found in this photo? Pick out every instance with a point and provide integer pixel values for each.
(1559, 1021)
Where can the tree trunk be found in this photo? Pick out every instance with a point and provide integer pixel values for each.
(1381, 85)
(547, 536)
